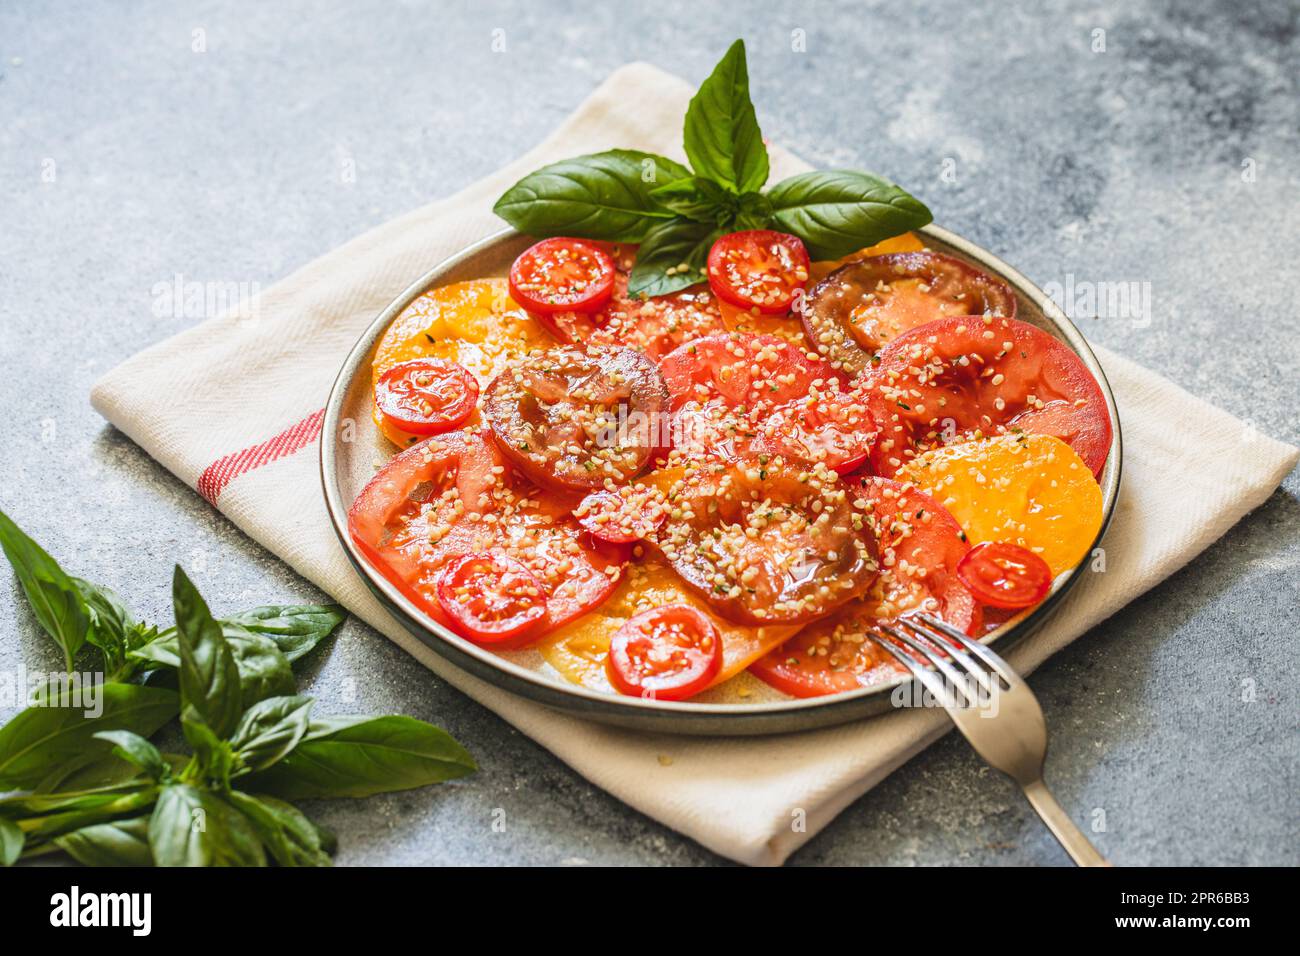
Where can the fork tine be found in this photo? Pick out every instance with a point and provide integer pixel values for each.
(955, 681)
(974, 647)
(928, 678)
(981, 674)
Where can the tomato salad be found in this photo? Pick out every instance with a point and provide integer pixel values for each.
(745, 475)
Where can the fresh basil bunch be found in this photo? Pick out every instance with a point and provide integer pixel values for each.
(676, 213)
(99, 790)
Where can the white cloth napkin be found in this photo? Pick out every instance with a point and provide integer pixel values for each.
(243, 395)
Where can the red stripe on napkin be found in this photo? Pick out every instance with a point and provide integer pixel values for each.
(227, 468)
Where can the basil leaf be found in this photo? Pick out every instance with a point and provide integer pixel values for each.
(98, 770)
(163, 649)
(697, 198)
(110, 622)
(50, 825)
(679, 245)
(754, 211)
(134, 749)
(53, 731)
(42, 804)
(360, 756)
(215, 757)
(11, 842)
(116, 843)
(208, 674)
(598, 196)
(284, 830)
(263, 670)
(54, 599)
(839, 211)
(270, 729)
(721, 134)
(295, 628)
(195, 827)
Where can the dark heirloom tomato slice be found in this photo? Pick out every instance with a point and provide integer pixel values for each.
(767, 540)
(1005, 575)
(858, 308)
(454, 495)
(426, 396)
(562, 275)
(758, 269)
(575, 419)
(739, 394)
(946, 380)
(492, 598)
(665, 653)
(921, 547)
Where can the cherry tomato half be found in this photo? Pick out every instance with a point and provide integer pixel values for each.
(491, 598)
(1002, 574)
(426, 396)
(758, 269)
(667, 653)
(562, 275)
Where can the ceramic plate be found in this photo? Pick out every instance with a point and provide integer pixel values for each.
(742, 705)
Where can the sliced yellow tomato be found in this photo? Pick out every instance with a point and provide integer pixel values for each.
(578, 649)
(1032, 490)
(475, 324)
(907, 242)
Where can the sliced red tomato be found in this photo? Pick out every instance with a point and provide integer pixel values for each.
(562, 275)
(492, 598)
(1003, 574)
(654, 325)
(921, 547)
(575, 419)
(454, 495)
(852, 313)
(758, 269)
(425, 396)
(740, 394)
(946, 381)
(831, 424)
(665, 653)
(659, 324)
(630, 514)
(741, 369)
(767, 540)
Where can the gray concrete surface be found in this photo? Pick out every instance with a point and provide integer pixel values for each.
(1168, 158)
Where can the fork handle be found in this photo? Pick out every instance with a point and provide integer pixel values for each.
(1058, 821)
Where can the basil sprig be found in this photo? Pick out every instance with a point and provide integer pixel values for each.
(601, 196)
(676, 213)
(96, 788)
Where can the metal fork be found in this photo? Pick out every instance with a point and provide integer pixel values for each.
(993, 708)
